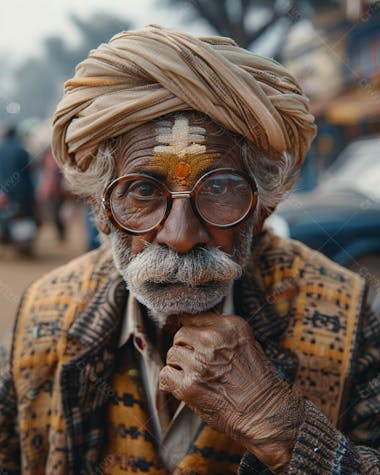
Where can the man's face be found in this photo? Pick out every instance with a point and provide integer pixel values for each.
(187, 265)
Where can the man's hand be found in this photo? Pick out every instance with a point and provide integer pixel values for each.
(218, 369)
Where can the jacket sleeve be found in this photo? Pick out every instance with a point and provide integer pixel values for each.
(9, 438)
(320, 448)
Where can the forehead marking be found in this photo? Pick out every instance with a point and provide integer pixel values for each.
(181, 139)
(183, 153)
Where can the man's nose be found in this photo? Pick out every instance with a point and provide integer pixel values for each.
(182, 229)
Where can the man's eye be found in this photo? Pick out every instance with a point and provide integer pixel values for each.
(143, 189)
(216, 187)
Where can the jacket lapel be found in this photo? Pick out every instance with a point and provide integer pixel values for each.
(256, 305)
(86, 378)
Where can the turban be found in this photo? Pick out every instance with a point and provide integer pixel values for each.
(144, 74)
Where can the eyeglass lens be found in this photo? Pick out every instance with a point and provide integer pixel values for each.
(221, 200)
(138, 204)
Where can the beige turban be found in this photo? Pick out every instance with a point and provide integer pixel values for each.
(144, 74)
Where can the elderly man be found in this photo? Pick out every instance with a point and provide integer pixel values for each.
(192, 341)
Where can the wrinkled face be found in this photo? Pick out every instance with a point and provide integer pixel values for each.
(186, 265)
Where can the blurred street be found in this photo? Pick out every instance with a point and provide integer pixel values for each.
(17, 272)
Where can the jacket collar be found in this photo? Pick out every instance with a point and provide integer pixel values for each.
(262, 296)
(102, 314)
(85, 379)
(253, 304)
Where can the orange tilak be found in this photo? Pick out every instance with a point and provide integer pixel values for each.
(185, 170)
(182, 170)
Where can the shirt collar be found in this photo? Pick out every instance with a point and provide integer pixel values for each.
(132, 322)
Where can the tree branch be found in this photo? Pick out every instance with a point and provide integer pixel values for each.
(216, 18)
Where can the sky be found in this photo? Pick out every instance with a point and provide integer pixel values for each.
(23, 23)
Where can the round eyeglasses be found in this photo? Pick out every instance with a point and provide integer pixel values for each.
(138, 203)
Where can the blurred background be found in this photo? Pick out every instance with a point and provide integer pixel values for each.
(332, 47)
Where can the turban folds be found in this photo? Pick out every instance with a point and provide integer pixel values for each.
(144, 74)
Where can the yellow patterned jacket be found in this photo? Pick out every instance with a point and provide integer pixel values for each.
(308, 314)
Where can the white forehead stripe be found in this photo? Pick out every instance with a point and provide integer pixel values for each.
(180, 138)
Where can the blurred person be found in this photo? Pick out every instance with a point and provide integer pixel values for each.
(92, 232)
(51, 192)
(17, 197)
(192, 341)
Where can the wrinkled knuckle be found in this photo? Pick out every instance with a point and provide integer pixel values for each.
(243, 329)
(180, 335)
(205, 338)
(164, 373)
(210, 338)
(208, 355)
(171, 354)
(231, 322)
(234, 325)
(163, 382)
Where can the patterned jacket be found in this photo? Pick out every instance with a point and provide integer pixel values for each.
(309, 315)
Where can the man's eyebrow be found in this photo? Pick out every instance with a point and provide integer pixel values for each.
(149, 172)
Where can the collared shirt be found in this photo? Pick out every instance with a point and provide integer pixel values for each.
(175, 435)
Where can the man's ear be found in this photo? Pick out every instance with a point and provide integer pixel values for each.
(259, 225)
(102, 224)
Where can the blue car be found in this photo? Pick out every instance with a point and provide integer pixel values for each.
(341, 216)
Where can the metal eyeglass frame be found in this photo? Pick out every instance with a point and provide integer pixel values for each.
(170, 195)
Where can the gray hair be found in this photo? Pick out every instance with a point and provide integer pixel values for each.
(275, 174)
(89, 185)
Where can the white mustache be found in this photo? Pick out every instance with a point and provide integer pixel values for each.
(162, 265)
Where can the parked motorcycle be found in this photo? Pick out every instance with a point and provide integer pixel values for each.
(16, 229)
